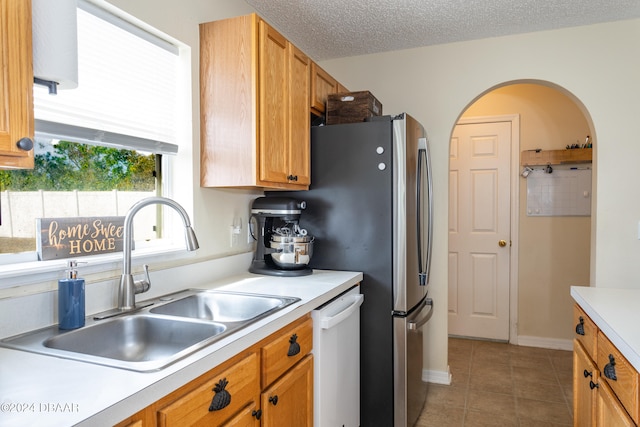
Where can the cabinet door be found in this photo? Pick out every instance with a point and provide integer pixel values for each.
(341, 88)
(248, 417)
(228, 102)
(585, 380)
(299, 118)
(289, 401)
(610, 412)
(273, 149)
(16, 84)
(322, 85)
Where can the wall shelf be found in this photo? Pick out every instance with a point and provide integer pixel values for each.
(555, 157)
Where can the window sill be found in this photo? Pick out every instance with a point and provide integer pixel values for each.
(91, 267)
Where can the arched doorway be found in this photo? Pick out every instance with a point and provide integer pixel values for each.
(547, 254)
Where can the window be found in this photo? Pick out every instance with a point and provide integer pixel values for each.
(101, 147)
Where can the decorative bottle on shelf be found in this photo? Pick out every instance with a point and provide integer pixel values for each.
(71, 299)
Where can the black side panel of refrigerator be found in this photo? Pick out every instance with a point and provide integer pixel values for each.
(350, 213)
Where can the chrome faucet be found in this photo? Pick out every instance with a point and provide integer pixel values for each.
(128, 286)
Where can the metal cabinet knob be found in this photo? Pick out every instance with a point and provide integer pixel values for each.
(25, 144)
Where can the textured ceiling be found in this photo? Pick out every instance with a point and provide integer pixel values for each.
(326, 29)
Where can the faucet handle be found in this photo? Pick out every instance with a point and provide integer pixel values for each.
(143, 285)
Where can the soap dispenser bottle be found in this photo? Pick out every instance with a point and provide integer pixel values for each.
(71, 299)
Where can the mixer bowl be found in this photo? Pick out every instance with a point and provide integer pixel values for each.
(292, 252)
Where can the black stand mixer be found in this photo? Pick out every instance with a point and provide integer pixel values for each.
(282, 249)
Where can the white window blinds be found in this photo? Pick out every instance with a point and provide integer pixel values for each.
(127, 88)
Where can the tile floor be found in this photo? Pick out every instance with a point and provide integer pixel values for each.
(496, 384)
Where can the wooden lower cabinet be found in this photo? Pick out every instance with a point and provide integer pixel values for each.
(609, 411)
(269, 384)
(247, 417)
(620, 376)
(218, 399)
(585, 387)
(601, 397)
(289, 401)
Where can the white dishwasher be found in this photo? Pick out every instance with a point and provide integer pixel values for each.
(336, 350)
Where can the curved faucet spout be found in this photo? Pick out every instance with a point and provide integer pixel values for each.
(126, 291)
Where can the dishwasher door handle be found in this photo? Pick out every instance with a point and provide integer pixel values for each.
(424, 316)
(330, 322)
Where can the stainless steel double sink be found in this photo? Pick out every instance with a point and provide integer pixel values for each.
(170, 328)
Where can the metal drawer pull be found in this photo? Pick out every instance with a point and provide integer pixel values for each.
(610, 370)
(294, 347)
(221, 398)
(580, 327)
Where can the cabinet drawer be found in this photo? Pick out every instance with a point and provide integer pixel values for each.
(288, 347)
(619, 374)
(239, 380)
(585, 331)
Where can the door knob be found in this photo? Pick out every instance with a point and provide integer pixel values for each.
(502, 243)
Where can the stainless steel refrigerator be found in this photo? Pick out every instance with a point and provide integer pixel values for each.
(370, 209)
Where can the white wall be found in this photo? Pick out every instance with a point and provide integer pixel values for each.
(597, 64)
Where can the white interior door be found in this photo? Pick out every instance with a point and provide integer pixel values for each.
(479, 230)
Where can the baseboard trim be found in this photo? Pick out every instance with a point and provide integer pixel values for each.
(436, 377)
(541, 342)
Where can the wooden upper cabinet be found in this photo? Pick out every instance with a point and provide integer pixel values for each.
(274, 118)
(16, 85)
(252, 132)
(299, 118)
(322, 85)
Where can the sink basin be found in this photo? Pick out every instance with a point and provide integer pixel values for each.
(136, 338)
(224, 306)
(151, 338)
(139, 342)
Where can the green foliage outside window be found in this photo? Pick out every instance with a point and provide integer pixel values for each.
(68, 166)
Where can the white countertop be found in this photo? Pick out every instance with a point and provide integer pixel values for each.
(48, 391)
(617, 313)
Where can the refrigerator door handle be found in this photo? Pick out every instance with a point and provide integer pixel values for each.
(331, 321)
(424, 263)
(422, 316)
